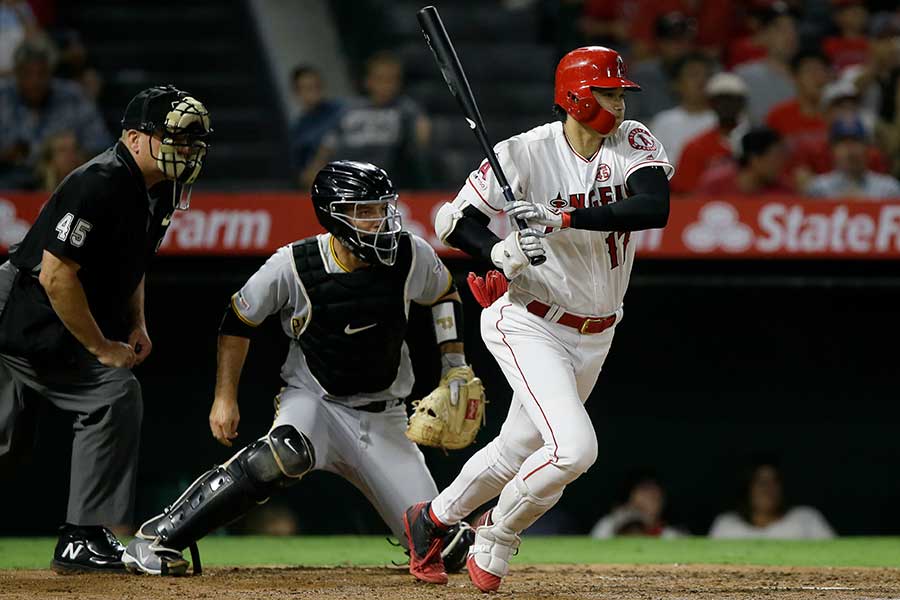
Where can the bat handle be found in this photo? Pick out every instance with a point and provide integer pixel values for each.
(521, 224)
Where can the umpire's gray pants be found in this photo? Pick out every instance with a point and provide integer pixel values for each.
(107, 407)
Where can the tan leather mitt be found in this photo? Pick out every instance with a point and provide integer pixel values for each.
(439, 423)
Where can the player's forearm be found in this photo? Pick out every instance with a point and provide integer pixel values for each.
(646, 208)
(60, 282)
(136, 306)
(229, 364)
(471, 234)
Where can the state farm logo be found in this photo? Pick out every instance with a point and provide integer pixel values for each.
(796, 229)
(12, 229)
(219, 229)
(603, 172)
(719, 226)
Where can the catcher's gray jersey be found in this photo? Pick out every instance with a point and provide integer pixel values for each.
(276, 288)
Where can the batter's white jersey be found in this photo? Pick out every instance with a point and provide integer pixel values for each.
(586, 272)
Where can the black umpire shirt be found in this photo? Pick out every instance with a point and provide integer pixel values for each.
(103, 218)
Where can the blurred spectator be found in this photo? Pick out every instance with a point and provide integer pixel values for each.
(850, 46)
(713, 19)
(675, 126)
(17, 23)
(851, 176)
(727, 95)
(606, 23)
(386, 128)
(805, 112)
(59, 156)
(769, 79)
(674, 40)
(761, 511)
(318, 116)
(271, 518)
(639, 510)
(760, 170)
(879, 82)
(73, 63)
(34, 106)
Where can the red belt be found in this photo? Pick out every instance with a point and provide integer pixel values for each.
(582, 324)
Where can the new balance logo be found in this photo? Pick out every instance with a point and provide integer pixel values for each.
(72, 550)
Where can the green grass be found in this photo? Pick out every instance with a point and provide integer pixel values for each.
(35, 553)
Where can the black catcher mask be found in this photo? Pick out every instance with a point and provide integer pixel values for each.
(356, 202)
(182, 123)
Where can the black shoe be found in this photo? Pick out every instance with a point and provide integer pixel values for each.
(87, 549)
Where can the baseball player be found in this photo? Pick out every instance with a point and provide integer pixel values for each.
(342, 298)
(72, 303)
(581, 185)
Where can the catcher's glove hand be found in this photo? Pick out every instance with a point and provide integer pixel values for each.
(439, 422)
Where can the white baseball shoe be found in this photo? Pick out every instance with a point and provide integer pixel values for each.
(144, 556)
(489, 555)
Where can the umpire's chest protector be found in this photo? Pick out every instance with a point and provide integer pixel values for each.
(357, 321)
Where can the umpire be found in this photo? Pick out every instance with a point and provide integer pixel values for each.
(72, 310)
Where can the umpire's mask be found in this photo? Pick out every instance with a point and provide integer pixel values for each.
(356, 203)
(183, 126)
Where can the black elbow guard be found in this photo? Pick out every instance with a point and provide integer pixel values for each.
(232, 324)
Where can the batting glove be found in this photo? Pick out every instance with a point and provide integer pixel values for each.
(513, 254)
(538, 214)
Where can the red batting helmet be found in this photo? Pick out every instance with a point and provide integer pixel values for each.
(583, 69)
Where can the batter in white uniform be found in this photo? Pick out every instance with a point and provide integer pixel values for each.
(343, 298)
(581, 185)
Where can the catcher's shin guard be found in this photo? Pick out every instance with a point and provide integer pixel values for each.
(226, 492)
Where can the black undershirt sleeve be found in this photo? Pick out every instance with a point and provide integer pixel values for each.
(232, 324)
(646, 208)
(471, 234)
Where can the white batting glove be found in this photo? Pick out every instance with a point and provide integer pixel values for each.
(513, 254)
(536, 214)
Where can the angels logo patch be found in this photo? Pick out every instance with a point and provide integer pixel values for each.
(640, 139)
(558, 202)
(603, 172)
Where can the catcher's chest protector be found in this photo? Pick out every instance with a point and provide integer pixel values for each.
(357, 321)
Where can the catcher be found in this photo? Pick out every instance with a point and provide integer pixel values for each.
(343, 299)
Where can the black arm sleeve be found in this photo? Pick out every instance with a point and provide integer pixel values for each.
(646, 208)
(471, 234)
(233, 325)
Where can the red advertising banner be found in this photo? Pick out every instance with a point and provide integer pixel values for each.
(226, 224)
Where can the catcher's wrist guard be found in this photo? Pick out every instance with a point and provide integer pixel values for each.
(439, 423)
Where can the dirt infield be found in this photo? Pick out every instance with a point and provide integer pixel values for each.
(683, 582)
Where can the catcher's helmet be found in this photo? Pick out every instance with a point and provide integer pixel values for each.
(583, 69)
(338, 192)
(182, 122)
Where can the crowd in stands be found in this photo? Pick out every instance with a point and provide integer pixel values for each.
(49, 120)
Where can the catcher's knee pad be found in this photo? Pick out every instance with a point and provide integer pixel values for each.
(226, 492)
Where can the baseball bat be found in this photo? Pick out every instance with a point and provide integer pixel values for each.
(446, 58)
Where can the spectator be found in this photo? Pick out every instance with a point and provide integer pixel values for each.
(73, 64)
(639, 510)
(59, 156)
(17, 24)
(385, 128)
(851, 176)
(713, 19)
(760, 170)
(606, 23)
(33, 106)
(850, 46)
(769, 79)
(675, 36)
(728, 98)
(675, 126)
(805, 112)
(318, 116)
(762, 513)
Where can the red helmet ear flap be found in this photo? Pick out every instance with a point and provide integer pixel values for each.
(586, 110)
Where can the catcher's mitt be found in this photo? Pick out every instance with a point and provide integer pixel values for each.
(437, 422)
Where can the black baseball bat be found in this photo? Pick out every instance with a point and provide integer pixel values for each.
(446, 58)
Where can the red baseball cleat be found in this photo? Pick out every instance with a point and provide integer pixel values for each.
(425, 540)
(489, 554)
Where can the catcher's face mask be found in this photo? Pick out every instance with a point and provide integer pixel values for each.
(376, 225)
(183, 147)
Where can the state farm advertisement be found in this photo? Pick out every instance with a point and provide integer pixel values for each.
(223, 224)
